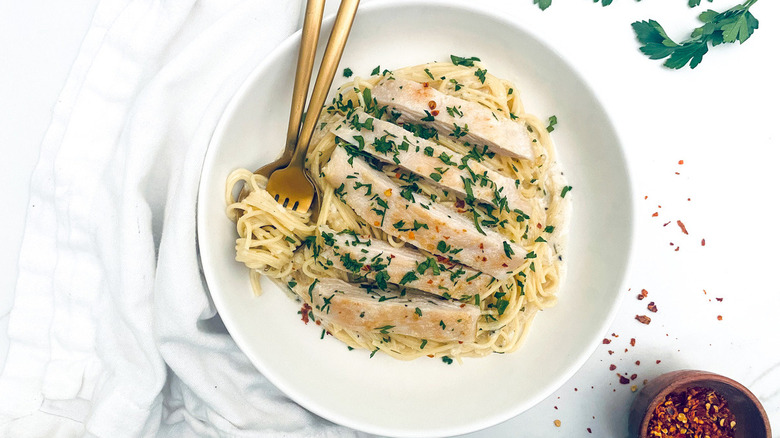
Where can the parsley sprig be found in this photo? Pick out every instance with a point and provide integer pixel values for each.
(735, 24)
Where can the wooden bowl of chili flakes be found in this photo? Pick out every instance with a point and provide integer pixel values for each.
(690, 403)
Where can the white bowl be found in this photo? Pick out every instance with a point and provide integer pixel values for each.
(426, 397)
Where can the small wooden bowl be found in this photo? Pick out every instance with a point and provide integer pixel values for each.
(752, 421)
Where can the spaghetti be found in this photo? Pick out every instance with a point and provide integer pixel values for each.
(284, 245)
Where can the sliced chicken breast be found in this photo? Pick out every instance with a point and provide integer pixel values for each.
(437, 164)
(366, 257)
(383, 204)
(455, 117)
(413, 314)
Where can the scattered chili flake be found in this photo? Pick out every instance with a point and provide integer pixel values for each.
(652, 307)
(682, 227)
(432, 104)
(557, 423)
(693, 412)
(435, 113)
(658, 361)
(642, 295)
(623, 379)
(633, 376)
(614, 335)
(612, 367)
(667, 223)
(633, 342)
(305, 313)
(643, 319)
(676, 173)
(702, 242)
(719, 299)
(637, 362)
(720, 318)
(655, 214)
(677, 249)
(610, 352)
(680, 162)
(589, 431)
(606, 341)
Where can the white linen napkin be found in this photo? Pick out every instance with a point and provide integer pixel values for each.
(112, 332)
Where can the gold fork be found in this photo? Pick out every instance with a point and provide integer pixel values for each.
(292, 186)
(309, 37)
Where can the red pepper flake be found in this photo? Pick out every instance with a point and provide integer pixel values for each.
(677, 249)
(633, 342)
(614, 335)
(642, 295)
(305, 313)
(606, 341)
(658, 361)
(623, 380)
(645, 196)
(702, 242)
(652, 307)
(693, 412)
(667, 223)
(655, 214)
(432, 104)
(459, 203)
(612, 367)
(720, 300)
(676, 173)
(637, 362)
(643, 319)
(633, 376)
(720, 318)
(682, 227)
(425, 84)
(610, 352)
(680, 162)
(435, 113)
(589, 431)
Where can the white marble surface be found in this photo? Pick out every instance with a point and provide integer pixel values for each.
(718, 119)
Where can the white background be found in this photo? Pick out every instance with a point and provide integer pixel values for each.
(719, 119)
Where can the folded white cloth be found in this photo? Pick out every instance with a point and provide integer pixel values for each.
(112, 332)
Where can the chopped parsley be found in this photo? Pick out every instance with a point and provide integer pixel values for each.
(347, 72)
(467, 62)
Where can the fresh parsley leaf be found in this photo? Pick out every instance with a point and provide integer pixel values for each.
(543, 4)
(375, 71)
(467, 62)
(735, 24)
(553, 122)
(481, 73)
(347, 72)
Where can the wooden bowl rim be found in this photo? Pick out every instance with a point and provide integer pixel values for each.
(686, 378)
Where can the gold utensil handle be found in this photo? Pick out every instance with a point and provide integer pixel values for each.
(330, 61)
(310, 35)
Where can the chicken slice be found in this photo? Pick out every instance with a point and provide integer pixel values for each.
(437, 164)
(449, 115)
(413, 314)
(366, 257)
(384, 204)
